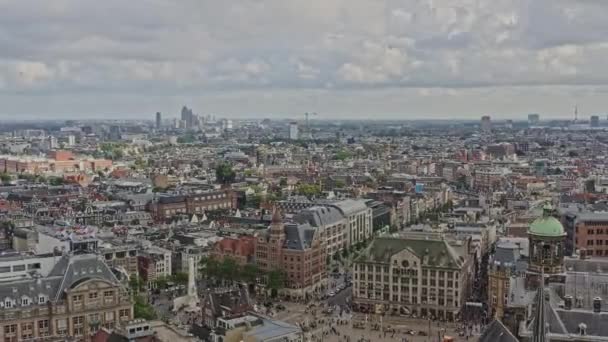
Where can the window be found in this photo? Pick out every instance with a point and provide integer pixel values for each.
(25, 301)
(43, 327)
(41, 300)
(109, 316)
(124, 314)
(589, 242)
(77, 299)
(10, 333)
(62, 326)
(93, 295)
(17, 268)
(8, 303)
(27, 330)
(78, 323)
(108, 296)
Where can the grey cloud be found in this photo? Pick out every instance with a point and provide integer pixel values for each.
(63, 48)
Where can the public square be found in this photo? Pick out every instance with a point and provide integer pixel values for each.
(321, 323)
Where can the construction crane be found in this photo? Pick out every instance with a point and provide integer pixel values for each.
(307, 115)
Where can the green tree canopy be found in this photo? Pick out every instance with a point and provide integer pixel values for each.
(224, 173)
(229, 269)
(56, 181)
(309, 190)
(5, 178)
(142, 309)
(342, 155)
(250, 273)
(276, 280)
(180, 278)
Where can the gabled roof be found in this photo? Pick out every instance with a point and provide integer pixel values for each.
(299, 236)
(77, 269)
(319, 216)
(432, 252)
(70, 271)
(497, 332)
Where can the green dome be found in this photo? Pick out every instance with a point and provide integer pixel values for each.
(546, 226)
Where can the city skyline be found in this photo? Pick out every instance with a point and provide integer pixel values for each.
(347, 60)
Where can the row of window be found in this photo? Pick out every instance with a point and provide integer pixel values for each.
(597, 242)
(598, 252)
(20, 268)
(412, 272)
(198, 209)
(108, 296)
(210, 197)
(9, 303)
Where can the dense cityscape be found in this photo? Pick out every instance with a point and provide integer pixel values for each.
(190, 227)
(303, 171)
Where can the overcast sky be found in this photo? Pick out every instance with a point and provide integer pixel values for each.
(279, 58)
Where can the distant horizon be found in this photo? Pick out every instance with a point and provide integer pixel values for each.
(342, 59)
(151, 118)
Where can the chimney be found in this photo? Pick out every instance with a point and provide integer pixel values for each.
(568, 302)
(597, 304)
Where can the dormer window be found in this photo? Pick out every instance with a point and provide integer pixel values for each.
(8, 304)
(41, 300)
(25, 301)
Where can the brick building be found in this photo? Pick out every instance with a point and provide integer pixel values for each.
(241, 249)
(65, 162)
(166, 206)
(296, 249)
(591, 234)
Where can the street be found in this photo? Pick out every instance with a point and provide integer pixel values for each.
(341, 298)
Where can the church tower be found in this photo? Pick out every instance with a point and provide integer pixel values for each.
(546, 236)
(276, 240)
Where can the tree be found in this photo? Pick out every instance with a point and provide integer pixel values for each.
(283, 181)
(345, 253)
(339, 184)
(309, 190)
(186, 139)
(342, 155)
(144, 310)
(229, 269)
(276, 281)
(180, 278)
(136, 283)
(254, 201)
(140, 163)
(209, 267)
(56, 181)
(224, 173)
(161, 282)
(250, 273)
(117, 153)
(5, 178)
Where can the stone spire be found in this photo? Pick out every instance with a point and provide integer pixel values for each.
(276, 216)
(539, 329)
